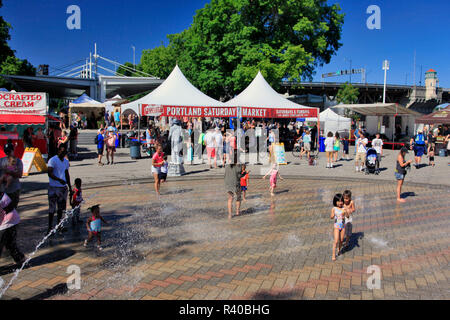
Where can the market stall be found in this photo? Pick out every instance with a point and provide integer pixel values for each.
(20, 111)
(440, 117)
(387, 118)
(87, 105)
(331, 121)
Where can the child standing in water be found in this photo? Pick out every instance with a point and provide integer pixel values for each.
(75, 201)
(274, 174)
(349, 205)
(94, 226)
(338, 213)
(164, 169)
(244, 181)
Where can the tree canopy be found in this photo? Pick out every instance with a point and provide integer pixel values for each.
(9, 63)
(230, 40)
(347, 94)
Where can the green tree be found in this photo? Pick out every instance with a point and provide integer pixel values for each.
(9, 64)
(230, 40)
(347, 94)
(128, 71)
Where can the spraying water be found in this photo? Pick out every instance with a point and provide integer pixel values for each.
(68, 214)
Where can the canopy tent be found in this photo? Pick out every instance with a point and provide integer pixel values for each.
(379, 109)
(109, 103)
(331, 121)
(175, 97)
(438, 117)
(384, 117)
(260, 100)
(85, 104)
(3, 90)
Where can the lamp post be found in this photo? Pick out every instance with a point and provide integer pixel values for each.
(385, 68)
(134, 57)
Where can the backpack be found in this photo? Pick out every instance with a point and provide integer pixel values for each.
(420, 140)
(96, 139)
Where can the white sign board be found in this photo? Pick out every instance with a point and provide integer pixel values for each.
(30, 103)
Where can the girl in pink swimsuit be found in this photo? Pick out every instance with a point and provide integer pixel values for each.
(338, 213)
(274, 173)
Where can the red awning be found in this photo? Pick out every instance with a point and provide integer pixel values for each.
(21, 119)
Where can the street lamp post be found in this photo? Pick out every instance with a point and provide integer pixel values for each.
(134, 57)
(385, 68)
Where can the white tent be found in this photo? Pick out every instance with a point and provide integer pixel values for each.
(331, 121)
(259, 94)
(176, 90)
(109, 103)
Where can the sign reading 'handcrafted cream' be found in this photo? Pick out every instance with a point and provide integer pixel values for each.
(23, 103)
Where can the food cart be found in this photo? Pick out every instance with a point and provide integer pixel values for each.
(18, 112)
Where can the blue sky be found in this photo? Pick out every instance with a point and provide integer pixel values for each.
(40, 34)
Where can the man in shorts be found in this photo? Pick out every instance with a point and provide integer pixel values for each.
(59, 184)
(418, 144)
(360, 159)
(100, 145)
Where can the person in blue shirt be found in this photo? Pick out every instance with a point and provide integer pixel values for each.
(418, 144)
(100, 146)
(112, 127)
(106, 118)
(117, 118)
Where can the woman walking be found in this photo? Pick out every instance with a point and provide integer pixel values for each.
(157, 162)
(329, 149)
(400, 172)
(233, 184)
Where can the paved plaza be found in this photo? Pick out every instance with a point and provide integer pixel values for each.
(182, 246)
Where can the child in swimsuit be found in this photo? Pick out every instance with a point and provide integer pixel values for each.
(274, 174)
(338, 213)
(349, 205)
(94, 226)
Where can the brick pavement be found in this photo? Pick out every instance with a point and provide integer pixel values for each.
(181, 246)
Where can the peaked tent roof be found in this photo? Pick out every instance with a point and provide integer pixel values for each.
(85, 101)
(260, 94)
(438, 117)
(330, 115)
(176, 90)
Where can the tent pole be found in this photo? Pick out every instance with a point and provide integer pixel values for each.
(139, 123)
(318, 131)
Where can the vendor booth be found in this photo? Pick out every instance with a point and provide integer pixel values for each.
(390, 119)
(260, 100)
(177, 97)
(20, 111)
(87, 105)
(331, 121)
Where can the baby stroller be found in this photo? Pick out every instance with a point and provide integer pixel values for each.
(372, 163)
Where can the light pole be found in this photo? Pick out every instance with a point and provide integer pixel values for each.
(134, 58)
(385, 68)
(350, 71)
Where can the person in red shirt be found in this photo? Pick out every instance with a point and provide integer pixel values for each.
(157, 162)
(75, 201)
(244, 181)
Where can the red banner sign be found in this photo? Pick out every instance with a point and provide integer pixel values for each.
(23, 103)
(151, 109)
(226, 112)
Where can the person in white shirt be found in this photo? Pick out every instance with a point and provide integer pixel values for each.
(329, 144)
(219, 144)
(59, 180)
(210, 138)
(360, 158)
(377, 144)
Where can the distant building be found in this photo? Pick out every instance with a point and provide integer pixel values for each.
(431, 85)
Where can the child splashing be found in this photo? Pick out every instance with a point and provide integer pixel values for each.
(274, 174)
(338, 213)
(94, 226)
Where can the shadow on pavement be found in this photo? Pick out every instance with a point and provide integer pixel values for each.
(59, 289)
(354, 240)
(266, 295)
